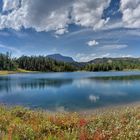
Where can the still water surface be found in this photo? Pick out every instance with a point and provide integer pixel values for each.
(70, 91)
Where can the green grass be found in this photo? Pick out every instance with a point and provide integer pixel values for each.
(23, 124)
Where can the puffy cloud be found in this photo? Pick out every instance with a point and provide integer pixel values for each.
(81, 57)
(89, 13)
(10, 4)
(92, 43)
(42, 15)
(61, 31)
(56, 15)
(131, 13)
(47, 15)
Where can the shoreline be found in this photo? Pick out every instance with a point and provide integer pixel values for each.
(104, 110)
(6, 72)
(97, 111)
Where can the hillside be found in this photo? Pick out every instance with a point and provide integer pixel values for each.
(109, 60)
(116, 64)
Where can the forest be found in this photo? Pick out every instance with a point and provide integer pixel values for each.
(33, 63)
(45, 64)
(7, 63)
(109, 64)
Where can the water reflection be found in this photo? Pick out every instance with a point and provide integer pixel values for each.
(69, 93)
(9, 84)
(94, 98)
(44, 83)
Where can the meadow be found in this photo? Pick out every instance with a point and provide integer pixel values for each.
(6, 72)
(17, 123)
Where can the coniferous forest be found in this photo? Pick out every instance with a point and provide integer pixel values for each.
(7, 63)
(33, 63)
(45, 64)
(107, 64)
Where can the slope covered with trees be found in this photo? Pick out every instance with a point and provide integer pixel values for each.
(33, 63)
(108, 64)
(43, 63)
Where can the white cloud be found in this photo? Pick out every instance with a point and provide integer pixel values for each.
(133, 32)
(82, 57)
(125, 55)
(61, 31)
(105, 55)
(92, 43)
(10, 4)
(42, 15)
(131, 13)
(114, 46)
(88, 13)
(85, 57)
(113, 25)
(56, 15)
(9, 48)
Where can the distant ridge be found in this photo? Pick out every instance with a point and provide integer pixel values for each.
(61, 58)
(105, 60)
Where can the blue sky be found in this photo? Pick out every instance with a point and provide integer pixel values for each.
(83, 29)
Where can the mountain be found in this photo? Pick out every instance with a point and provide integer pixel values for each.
(109, 60)
(115, 64)
(61, 58)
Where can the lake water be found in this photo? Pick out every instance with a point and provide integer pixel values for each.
(70, 91)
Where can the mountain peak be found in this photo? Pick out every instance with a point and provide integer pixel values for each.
(61, 58)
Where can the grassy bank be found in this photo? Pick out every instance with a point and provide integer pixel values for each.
(5, 72)
(23, 124)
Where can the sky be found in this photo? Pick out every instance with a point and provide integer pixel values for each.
(82, 29)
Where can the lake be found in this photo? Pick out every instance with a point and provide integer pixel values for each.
(73, 91)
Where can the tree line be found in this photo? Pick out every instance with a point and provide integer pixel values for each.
(45, 64)
(117, 65)
(33, 63)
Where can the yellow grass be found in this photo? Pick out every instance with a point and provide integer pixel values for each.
(5, 72)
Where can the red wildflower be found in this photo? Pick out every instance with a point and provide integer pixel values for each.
(82, 123)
